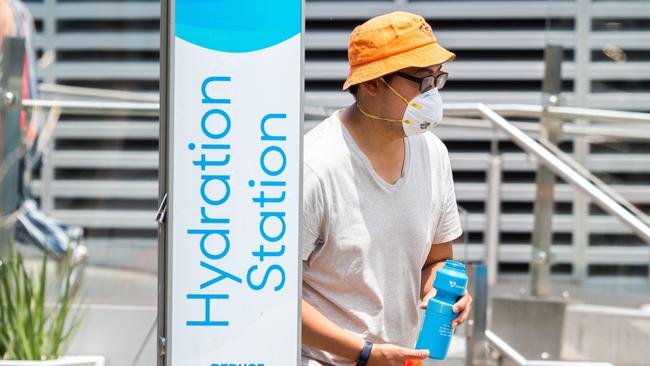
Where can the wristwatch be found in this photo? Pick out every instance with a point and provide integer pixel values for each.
(364, 356)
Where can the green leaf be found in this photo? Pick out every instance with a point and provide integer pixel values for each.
(30, 330)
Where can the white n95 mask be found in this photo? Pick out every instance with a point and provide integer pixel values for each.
(422, 112)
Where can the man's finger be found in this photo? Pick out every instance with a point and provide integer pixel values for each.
(460, 319)
(425, 300)
(417, 353)
(462, 316)
(461, 304)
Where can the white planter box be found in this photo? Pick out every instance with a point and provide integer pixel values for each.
(63, 361)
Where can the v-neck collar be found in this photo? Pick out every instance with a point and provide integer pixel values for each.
(381, 181)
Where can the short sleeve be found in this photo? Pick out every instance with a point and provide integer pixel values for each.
(448, 227)
(313, 211)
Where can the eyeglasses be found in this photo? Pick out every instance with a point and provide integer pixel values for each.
(428, 82)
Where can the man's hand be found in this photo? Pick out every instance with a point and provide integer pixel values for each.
(392, 355)
(464, 305)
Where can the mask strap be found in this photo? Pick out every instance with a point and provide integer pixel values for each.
(382, 118)
(414, 105)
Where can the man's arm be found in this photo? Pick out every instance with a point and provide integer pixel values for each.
(438, 254)
(319, 332)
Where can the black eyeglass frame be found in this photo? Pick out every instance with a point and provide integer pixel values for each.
(439, 80)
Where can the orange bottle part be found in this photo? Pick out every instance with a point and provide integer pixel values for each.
(413, 362)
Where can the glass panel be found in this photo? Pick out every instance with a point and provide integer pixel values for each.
(92, 176)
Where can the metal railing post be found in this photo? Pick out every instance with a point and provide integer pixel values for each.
(11, 91)
(493, 212)
(581, 146)
(47, 179)
(551, 130)
(476, 349)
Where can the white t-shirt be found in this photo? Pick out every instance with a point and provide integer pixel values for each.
(365, 241)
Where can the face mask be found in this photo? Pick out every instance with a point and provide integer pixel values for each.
(421, 114)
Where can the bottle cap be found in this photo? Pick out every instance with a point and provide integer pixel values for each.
(455, 265)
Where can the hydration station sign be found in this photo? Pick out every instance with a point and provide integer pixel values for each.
(235, 91)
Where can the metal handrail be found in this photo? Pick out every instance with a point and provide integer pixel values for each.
(563, 170)
(627, 132)
(95, 107)
(598, 115)
(97, 93)
(504, 349)
(565, 113)
(596, 181)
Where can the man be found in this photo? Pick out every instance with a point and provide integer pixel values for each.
(379, 209)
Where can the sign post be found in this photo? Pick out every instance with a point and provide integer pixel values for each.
(231, 134)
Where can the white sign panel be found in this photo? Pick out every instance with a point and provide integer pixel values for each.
(235, 139)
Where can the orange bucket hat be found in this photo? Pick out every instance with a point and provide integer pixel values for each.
(391, 42)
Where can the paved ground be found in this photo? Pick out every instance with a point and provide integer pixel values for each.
(606, 291)
(123, 299)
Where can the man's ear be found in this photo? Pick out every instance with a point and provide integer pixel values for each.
(371, 86)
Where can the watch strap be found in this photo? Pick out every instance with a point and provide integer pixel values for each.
(364, 356)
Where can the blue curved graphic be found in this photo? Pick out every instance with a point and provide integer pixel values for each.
(237, 25)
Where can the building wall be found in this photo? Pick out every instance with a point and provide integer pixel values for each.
(102, 172)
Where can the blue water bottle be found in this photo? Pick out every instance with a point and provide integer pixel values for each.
(436, 332)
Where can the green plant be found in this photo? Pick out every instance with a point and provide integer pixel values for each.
(31, 328)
